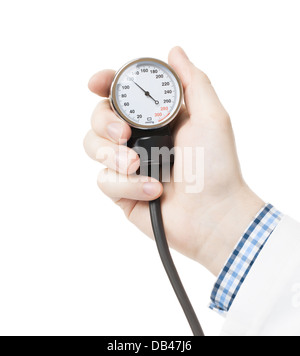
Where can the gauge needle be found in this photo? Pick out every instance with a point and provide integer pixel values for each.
(146, 93)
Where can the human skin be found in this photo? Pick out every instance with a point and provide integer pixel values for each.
(204, 226)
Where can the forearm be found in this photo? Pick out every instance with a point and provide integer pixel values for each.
(233, 215)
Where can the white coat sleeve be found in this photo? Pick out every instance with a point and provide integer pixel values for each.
(268, 303)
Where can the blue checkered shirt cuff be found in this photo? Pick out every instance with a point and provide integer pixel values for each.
(243, 257)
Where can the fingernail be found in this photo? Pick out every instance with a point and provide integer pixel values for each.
(152, 189)
(115, 131)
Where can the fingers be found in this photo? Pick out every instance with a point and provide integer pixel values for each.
(100, 82)
(200, 97)
(118, 186)
(117, 157)
(104, 142)
(104, 122)
(107, 125)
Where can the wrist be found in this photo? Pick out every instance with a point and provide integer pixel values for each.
(233, 215)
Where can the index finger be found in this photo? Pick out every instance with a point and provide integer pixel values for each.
(104, 122)
(100, 82)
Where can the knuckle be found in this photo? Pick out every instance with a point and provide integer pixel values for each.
(203, 77)
(224, 117)
(102, 179)
(97, 113)
(221, 118)
(86, 140)
(95, 120)
(103, 104)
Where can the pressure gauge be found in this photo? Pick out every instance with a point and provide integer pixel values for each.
(146, 93)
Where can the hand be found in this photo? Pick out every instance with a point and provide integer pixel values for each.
(205, 226)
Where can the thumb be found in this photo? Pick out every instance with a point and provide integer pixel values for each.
(200, 97)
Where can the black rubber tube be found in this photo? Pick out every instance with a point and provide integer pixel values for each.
(165, 255)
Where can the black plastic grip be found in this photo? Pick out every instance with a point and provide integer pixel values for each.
(155, 148)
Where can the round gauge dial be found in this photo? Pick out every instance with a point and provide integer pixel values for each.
(146, 93)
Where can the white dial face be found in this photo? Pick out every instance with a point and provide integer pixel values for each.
(147, 93)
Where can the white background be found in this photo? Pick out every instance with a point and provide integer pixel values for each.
(70, 263)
